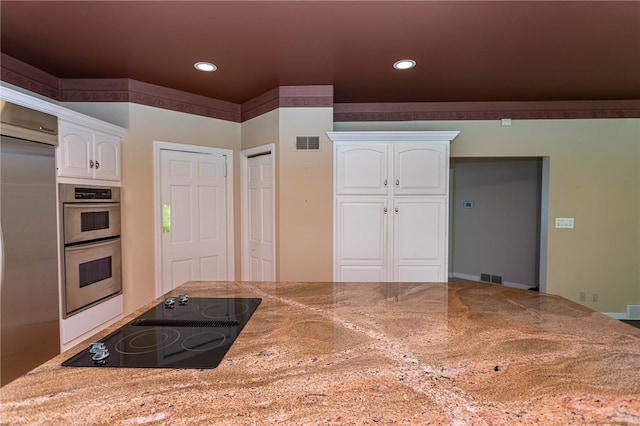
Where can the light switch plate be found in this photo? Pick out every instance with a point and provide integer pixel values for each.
(564, 222)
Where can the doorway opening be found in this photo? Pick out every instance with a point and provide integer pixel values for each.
(498, 220)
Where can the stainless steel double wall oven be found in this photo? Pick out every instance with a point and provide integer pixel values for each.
(92, 253)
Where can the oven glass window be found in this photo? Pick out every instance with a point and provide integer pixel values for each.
(92, 221)
(94, 271)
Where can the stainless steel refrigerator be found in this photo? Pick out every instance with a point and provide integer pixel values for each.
(29, 302)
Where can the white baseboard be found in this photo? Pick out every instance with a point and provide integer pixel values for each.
(477, 278)
(617, 315)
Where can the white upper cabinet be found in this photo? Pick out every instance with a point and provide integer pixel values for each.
(362, 169)
(107, 157)
(420, 168)
(87, 154)
(408, 168)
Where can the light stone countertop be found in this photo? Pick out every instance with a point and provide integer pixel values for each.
(366, 353)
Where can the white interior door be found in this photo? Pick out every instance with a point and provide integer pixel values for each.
(194, 226)
(260, 212)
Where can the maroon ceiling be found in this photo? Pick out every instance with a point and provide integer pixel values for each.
(466, 51)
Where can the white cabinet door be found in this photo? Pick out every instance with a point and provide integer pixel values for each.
(75, 152)
(86, 154)
(419, 246)
(420, 169)
(362, 169)
(106, 157)
(361, 245)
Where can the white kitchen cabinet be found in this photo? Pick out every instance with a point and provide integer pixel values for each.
(87, 154)
(362, 169)
(362, 250)
(419, 239)
(417, 168)
(420, 168)
(391, 205)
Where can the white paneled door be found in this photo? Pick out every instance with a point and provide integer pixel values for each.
(194, 222)
(260, 221)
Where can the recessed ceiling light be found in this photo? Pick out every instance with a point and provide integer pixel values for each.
(404, 64)
(205, 66)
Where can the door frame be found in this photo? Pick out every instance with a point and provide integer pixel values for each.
(244, 203)
(157, 203)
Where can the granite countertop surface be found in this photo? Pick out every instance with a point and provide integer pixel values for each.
(366, 353)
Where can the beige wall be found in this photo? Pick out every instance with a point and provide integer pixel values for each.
(594, 178)
(304, 205)
(305, 201)
(146, 125)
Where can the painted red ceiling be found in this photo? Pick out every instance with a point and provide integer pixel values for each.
(466, 51)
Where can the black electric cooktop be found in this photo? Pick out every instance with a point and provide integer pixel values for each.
(180, 332)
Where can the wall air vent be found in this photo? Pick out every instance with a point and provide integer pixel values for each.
(308, 143)
(485, 277)
(496, 279)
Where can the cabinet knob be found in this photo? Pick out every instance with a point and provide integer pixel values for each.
(97, 165)
(397, 210)
(397, 182)
(91, 164)
(385, 182)
(384, 210)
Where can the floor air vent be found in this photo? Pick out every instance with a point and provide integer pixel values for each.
(308, 143)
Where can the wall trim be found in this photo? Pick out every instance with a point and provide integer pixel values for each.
(288, 97)
(534, 110)
(37, 81)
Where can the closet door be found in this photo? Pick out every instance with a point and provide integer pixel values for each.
(419, 239)
(362, 169)
(361, 245)
(420, 169)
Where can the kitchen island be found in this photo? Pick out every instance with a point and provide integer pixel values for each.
(366, 353)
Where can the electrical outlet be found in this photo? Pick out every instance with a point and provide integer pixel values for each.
(583, 296)
(594, 297)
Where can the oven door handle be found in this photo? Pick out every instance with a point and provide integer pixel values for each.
(90, 206)
(93, 245)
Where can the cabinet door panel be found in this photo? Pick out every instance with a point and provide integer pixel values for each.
(362, 169)
(361, 249)
(75, 152)
(419, 239)
(420, 169)
(107, 157)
